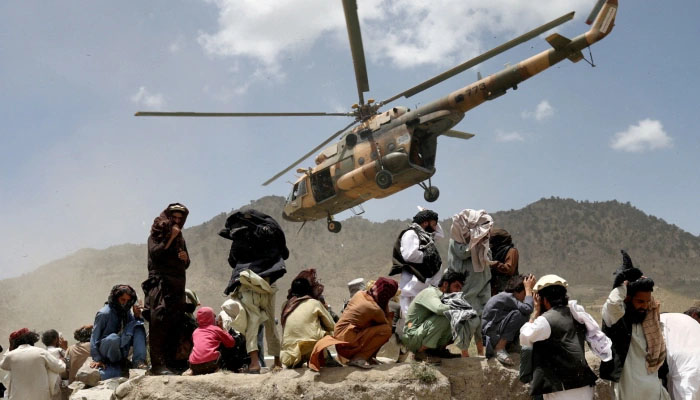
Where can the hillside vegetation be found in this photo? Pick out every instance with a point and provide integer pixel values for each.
(577, 240)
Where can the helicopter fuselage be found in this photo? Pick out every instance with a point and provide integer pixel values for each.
(404, 142)
(399, 141)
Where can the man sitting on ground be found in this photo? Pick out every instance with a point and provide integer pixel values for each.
(305, 321)
(504, 315)
(428, 330)
(363, 328)
(79, 352)
(117, 329)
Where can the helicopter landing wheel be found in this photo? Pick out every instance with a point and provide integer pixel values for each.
(431, 194)
(383, 179)
(334, 226)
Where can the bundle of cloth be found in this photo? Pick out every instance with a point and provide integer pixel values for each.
(463, 319)
(473, 227)
(258, 244)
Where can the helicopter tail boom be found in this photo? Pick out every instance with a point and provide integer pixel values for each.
(497, 84)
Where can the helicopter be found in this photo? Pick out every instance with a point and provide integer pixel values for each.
(392, 150)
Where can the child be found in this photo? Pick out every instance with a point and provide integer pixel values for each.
(204, 358)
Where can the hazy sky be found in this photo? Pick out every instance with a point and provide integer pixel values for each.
(77, 169)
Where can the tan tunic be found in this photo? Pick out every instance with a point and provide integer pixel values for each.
(305, 326)
(76, 356)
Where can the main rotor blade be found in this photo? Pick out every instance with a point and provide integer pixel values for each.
(256, 114)
(481, 58)
(358, 53)
(458, 134)
(305, 156)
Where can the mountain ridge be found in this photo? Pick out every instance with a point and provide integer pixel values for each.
(579, 240)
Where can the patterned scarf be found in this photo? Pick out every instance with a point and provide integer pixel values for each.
(459, 314)
(656, 347)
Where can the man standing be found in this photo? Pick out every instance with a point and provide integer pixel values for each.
(505, 259)
(467, 254)
(257, 254)
(116, 330)
(504, 315)
(681, 334)
(416, 258)
(428, 330)
(29, 368)
(559, 366)
(631, 320)
(165, 309)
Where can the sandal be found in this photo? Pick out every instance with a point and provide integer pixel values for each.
(359, 363)
(503, 357)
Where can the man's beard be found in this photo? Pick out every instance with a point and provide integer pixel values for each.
(636, 316)
(429, 229)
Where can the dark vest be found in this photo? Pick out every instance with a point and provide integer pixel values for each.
(431, 259)
(621, 335)
(559, 363)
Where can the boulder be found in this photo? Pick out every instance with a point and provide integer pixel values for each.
(474, 378)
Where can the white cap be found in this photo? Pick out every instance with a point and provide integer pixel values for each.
(549, 280)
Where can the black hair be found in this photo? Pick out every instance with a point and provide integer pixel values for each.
(555, 295)
(117, 292)
(29, 338)
(692, 311)
(425, 215)
(83, 333)
(48, 338)
(300, 288)
(643, 284)
(515, 284)
(452, 276)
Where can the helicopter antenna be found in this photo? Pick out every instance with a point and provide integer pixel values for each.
(590, 53)
(301, 227)
(358, 53)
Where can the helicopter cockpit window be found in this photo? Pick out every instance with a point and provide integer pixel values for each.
(298, 191)
(322, 185)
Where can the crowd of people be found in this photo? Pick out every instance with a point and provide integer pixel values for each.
(432, 310)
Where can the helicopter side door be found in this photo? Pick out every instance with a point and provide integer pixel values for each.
(322, 185)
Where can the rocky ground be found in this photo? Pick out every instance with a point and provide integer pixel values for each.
(473, 378)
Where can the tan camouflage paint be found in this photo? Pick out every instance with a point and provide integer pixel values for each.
(358, 185)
